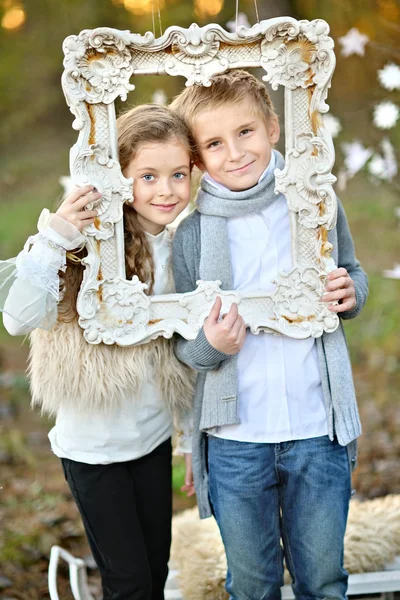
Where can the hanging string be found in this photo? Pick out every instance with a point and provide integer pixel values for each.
(152, 14)
(256, 7)
(237, 13)
(159, 17)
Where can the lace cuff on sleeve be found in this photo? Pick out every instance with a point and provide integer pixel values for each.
(8, 274)
(40, 262)
(29, 287)
(30, 283)
(60, 232)
(44, 254)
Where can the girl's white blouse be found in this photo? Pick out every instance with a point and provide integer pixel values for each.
(141, 423)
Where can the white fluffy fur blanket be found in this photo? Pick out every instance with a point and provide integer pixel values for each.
(372, 540)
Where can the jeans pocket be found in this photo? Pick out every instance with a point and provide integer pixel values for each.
(237, 469)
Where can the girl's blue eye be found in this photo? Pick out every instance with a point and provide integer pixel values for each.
(148, 177)
(213, 144)
(179, 176)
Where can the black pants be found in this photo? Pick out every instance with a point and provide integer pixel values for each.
(126, 509)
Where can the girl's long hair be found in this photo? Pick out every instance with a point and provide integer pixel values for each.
(146, 123)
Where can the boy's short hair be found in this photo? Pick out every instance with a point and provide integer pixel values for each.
(230, 87)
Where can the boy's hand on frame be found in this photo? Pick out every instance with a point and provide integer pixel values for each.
(340, 288)
(189, 484)
(73, 210)
(228, 334)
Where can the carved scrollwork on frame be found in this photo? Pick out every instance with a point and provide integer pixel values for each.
(95, 167)
(307, 180)
(98, 65)
(297, 55)
(303, 60)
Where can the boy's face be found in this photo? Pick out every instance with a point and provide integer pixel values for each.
(235, 144)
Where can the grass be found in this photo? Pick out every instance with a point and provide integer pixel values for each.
(29, 181)
(370, 212)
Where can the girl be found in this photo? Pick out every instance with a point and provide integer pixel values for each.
(113, 405)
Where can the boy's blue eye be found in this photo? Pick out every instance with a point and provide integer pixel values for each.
(245, 131)
(179, 175)
(148, 177)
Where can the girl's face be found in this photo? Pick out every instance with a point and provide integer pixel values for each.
(161, 188)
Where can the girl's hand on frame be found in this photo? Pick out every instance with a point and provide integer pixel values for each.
(340, 288)
(72, 209)
(227, 335)
(189, 484)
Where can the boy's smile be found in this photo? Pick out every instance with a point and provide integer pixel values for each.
(235, 144)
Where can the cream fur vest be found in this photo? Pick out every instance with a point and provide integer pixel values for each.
(65, 370)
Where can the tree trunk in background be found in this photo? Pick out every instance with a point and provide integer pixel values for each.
(267, 9)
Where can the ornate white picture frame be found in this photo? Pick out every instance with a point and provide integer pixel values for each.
(295, 54)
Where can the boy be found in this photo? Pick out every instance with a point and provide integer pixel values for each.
(272, 415)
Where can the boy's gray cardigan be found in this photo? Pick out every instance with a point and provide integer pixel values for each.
(203, 357)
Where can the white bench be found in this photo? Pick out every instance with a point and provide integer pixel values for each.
(77, 575)
(361, 584)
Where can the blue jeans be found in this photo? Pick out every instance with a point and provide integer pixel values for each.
(297, 491)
